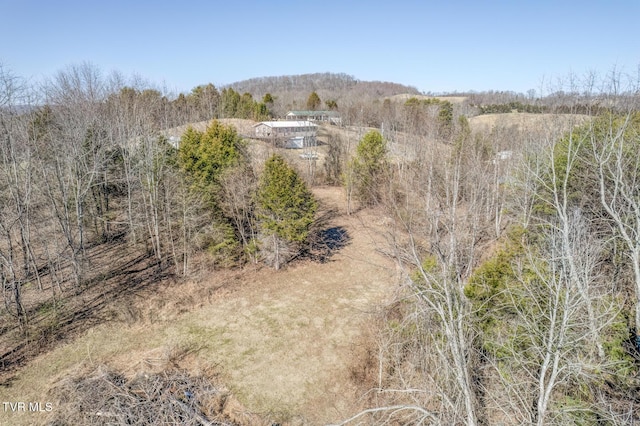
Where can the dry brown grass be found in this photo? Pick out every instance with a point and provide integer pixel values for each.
(524, 121)
(290, 345)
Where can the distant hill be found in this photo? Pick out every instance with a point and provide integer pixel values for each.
(328, 86)
(18, 109)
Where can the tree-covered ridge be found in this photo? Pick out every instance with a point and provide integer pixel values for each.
(514, 106)
(301, 82)
(321, 82)
(517, 248)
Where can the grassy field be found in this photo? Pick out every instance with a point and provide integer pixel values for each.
(525, 121)
(289, 345)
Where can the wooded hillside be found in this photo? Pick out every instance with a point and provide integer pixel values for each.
(502, 238)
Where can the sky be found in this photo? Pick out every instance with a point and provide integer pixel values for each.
(436, 46)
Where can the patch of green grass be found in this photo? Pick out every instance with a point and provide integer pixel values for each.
(203, 333)
(271, 323)
(50, 306)
(249, 352)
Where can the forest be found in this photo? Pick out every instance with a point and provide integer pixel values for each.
(515, 245)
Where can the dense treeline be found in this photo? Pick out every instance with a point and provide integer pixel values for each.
(291, 92)
(521, 271)
(85, 168)
(593, 108)
(337, 84)
(512, 107)
(294, 83)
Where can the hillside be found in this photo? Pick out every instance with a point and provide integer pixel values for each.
(525, 122)
(440, 280)
(292, 346)
(293, 90)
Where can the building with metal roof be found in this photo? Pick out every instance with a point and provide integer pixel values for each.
(288, 134)
(332, 117)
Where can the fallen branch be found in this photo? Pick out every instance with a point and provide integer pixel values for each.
(395, 409)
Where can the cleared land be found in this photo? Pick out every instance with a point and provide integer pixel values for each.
(523, 121)
(292, 346)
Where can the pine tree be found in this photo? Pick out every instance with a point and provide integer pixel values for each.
(368, 167)
(268, 99)
(313, 102)
(445, 119)
(205, 156)
(286, 208)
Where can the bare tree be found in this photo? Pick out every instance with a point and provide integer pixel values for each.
(555, 190)
(238, 186)
(16, 169)
(78, 152)
(441, 243)
(550, 347)
(614, 150)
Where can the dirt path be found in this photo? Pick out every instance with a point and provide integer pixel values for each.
(287, 340)
(300, 328)
(287, 343)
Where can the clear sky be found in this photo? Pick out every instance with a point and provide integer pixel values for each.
(437, 46)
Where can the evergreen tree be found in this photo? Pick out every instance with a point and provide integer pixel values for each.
(368, 167)
(286, 209)
(207, 158)
(230, 103)
(445, 119)
(247, 107)
(261, 112)
(313, 102)
(268, 99)
(204, 156)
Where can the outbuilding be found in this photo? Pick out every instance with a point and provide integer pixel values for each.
(289, 134)
(332, 117)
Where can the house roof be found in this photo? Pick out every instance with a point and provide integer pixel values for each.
(313, 113)
(288, 123)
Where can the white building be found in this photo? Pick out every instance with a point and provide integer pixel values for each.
(332, 117)
(290, 134)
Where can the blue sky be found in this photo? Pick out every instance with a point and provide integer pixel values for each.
(437, 46)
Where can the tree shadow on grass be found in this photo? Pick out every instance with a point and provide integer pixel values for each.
(90, 305)
(328, 241)
(325, 239)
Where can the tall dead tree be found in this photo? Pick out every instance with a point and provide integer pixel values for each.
(76, 155)
(17, 262)
(440, 226)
